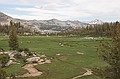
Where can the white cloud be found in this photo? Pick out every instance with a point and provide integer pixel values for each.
(64, 9)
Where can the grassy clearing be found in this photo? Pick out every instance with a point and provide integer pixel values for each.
(66, 66)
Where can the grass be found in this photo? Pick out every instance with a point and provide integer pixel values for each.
(68, 65)
(15, 69)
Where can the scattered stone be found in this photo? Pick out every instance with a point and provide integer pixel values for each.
(12, 54)
(79, 53)
(41, 60)
(6, 52)
(1, 52)
(15, 63)
(32, 72)
(42, 56)
(51, 58)
(44, 61)
(45, 58)
(12, 59)
(35, 64)
(59, 43)
(33, 59)
(23, 54)
(48, 61)
(9, 63)
(58, 54)
(34, 55)
(62, 45)
(90, 38)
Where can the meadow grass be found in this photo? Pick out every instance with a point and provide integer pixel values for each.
(68, 65)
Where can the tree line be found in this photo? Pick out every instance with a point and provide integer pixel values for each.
(93, 30)
(110, 53)
(21, 30)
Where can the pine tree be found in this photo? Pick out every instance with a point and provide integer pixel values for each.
(110, 53)
(13, 40)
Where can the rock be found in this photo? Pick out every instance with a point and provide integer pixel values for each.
(1, 52)
(45, 59)
(35, 64)
(79, 53)
(89, 38)
(42, 56)
(34, 55)
(6, 52)
(48, 61)
(59, 43)
(9, 63)
(12, 54)
(33, 59)
(62, 45)
(58, 54)
(23, 54)
(15, 63)
(12, 59)
(41, 60)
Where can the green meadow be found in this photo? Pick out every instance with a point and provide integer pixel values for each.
(66, 66)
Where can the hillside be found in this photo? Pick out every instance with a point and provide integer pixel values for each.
(45, 26)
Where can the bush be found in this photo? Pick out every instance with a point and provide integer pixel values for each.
(4, 58)
(26, 50)
(2, 50)
(2, 74)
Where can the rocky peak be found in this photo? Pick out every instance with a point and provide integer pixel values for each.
(96, 21)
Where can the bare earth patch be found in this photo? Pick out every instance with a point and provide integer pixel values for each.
(32, 72)
(87, 73)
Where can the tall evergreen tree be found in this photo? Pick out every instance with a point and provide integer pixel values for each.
(110, 53)
(13, 40)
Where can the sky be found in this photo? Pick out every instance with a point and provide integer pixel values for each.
(82, 10)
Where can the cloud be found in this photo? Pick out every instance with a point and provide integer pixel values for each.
(65, 9)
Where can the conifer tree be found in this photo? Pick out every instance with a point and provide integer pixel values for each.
(13, 40)
(110, 53)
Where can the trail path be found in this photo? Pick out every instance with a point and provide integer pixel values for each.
(32, 72)
(87, 73)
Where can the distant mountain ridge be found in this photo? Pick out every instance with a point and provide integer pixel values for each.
(96, 21)
(50, 26)
(5, 19)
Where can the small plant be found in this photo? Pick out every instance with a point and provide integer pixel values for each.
(12, 76)
(3, 74)
(4, 58)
